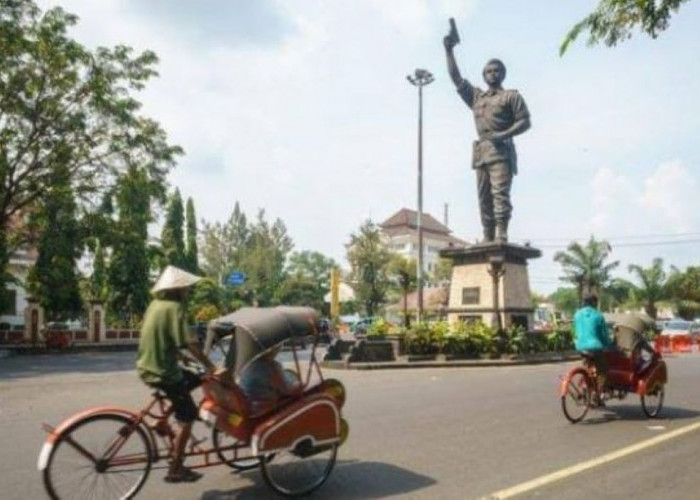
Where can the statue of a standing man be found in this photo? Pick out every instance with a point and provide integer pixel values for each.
(499, 115)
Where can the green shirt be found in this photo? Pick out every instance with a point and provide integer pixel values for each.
(163, 334)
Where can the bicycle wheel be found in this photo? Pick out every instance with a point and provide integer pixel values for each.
(301, 470)
(239, 457)
(653, 402)
(576, 401)
(80, 466)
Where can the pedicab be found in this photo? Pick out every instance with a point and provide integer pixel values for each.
(633, 367)
(108, 452)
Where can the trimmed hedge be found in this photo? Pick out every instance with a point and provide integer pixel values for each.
(475, 339)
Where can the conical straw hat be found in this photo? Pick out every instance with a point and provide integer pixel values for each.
(173, 278)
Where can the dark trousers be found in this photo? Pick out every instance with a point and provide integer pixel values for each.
(493, 183)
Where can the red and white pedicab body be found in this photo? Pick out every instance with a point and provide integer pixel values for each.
(314, 418)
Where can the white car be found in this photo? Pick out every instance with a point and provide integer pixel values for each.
(676, 327)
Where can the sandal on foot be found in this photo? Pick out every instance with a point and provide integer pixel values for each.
(185, 475)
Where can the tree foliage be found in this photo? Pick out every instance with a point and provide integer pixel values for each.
(586, 266)
(64, 106)
(172, 238)
(54, 278)
(684, 291)
(403, 272)
(191, 250)
(259, 250)
(613, 21)
(650, 287)
(307, 280)
(223, 244)
(369, 259)
(98, 279)
(566, 300)
(128, 272)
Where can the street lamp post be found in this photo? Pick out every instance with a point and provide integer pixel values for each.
(420, 79)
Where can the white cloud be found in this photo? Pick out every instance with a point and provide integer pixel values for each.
(672, 191)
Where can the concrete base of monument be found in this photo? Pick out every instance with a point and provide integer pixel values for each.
(490, 283)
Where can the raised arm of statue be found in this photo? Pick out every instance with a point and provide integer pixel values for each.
(450, 41)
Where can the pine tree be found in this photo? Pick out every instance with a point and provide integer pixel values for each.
(98, 280)
(128, 270)
(172, 238)
(191, 251)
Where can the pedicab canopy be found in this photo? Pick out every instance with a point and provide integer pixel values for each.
(628, 328)
(260, 329)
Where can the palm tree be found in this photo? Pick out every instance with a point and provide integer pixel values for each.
(403, 270)
(652, 287)
(585, 266)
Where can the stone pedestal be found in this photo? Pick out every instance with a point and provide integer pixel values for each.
(490, 283)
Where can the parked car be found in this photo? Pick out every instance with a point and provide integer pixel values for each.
(695, 328)
(676, 327)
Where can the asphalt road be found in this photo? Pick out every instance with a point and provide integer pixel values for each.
(424, 433)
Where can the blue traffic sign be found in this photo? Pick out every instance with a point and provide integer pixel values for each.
(237, 278)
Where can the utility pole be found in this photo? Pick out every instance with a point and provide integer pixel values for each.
(420, 79)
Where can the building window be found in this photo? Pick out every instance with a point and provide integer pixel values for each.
(470, 295)
(11, 307)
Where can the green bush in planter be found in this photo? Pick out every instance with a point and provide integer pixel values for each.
(470, 339)
(419, 340)
(378, 329)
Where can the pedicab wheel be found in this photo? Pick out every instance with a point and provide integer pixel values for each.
(300, 471)
(577, 399)
(70, 473)
(653, 402)
(239, 457)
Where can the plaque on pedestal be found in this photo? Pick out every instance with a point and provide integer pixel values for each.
(490, 283)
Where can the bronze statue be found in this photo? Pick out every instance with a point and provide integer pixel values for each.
(499, 115)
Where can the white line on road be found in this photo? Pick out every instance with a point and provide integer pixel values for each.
(589, 464)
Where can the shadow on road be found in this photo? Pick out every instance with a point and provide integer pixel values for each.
(53, 364)
(634, 412)
(350, 480)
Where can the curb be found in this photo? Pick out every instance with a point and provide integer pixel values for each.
(467, 363)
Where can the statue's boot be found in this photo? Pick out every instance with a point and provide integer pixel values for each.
(502, 232)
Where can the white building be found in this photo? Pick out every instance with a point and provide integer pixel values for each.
(401, 232)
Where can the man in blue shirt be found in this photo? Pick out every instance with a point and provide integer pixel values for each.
(591, 335)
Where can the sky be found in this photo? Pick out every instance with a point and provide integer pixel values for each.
(302, 108)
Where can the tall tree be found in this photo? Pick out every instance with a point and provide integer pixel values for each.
(98, 279)
(403, 271)
(369, 259)
(684, 291)
(66, 106)
(54, 278)
(613, 21)
(586, 266)
(191, 251)
(172, 238)
(224, 244)
(651, 285)
(128, 272)
(264, 259)
(307, 280)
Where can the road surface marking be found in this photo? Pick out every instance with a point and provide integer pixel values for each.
(589, 464)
